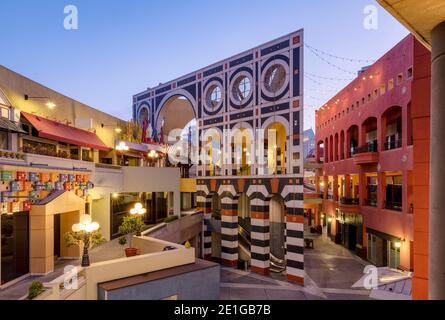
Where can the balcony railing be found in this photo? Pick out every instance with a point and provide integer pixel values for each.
(393, 144)
(369, 147)
(393, 205)
(349, 201)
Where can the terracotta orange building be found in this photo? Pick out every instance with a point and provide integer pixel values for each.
(375, 140)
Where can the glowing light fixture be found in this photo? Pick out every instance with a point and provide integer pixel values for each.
(50, 105)
(118, 130)
(86, 226)
(398, 245)
(138, 209)
(122, 147)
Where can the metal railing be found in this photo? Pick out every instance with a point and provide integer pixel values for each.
(370, 203)
(369, 147)
(393, 144)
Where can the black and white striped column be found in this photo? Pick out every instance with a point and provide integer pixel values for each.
(260, 236)
(229, 230)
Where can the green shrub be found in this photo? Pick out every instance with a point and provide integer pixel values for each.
(170, 219)
(131, 226)
(34, 290)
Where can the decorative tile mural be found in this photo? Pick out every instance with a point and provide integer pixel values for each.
(19, 190)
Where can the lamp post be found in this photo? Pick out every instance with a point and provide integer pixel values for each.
(139, 211)
(85, 227)
(153, 156)
(121, 148)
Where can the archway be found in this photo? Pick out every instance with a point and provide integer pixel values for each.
(242, 149)
(275, 148)
(352, 140)
(176, 120)
(277, 227)
(392, 128)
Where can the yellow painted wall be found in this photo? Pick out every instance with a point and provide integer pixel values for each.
(16, 86)
(188, 185)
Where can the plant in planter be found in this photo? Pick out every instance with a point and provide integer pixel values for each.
(132, 226)
(35, 290)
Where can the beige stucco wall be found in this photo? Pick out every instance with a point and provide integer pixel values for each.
(16, 86)
(154, 180)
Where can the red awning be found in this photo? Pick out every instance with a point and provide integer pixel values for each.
(61, 132)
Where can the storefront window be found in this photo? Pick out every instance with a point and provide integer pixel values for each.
(14, 246)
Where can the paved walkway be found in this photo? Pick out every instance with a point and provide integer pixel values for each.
(331, 270)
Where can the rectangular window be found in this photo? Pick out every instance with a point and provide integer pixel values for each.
(376, 93)
(4, 140)
(409, 73)
(400, 79)
(382, 89)
(4, 112)
(371, 190)
(394, 192)
(390, 84)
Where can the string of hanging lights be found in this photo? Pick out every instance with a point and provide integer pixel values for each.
(338, 57)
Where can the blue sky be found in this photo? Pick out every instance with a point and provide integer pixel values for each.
(123, 47)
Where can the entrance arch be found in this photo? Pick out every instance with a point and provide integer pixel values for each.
(175, 114)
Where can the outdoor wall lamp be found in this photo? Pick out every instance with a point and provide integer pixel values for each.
(86, 226)
(330, 220)
(117, 129)
(51, 105)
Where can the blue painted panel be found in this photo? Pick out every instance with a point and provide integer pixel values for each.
(276, 47)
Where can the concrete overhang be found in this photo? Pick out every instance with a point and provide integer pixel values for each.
(419, 17)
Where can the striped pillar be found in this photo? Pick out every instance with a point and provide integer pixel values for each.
(295, 236)
(229, 230)
(260, 236)
(205, 205)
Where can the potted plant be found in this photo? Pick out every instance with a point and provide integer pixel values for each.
(131, 227)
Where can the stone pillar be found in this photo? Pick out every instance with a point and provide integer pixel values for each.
(205, 206)
(335, 189)
(437, 169)
(295, 235)
(229, 230)
(381, 190)
(260, 236)
(41, 244)
(348, 186)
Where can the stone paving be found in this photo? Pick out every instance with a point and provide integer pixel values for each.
(331, 270)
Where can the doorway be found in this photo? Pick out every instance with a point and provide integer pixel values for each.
(14, 246)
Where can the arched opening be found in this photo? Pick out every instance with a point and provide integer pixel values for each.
(326, 150)
(275, 148)
(242, 150)
(342, 145)
(369, 136)
(175, 120)
(392, 128)
(320, 152)
(213, 150)
(331, 149)
(352, 140)
(336, 151)
(277, 227)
